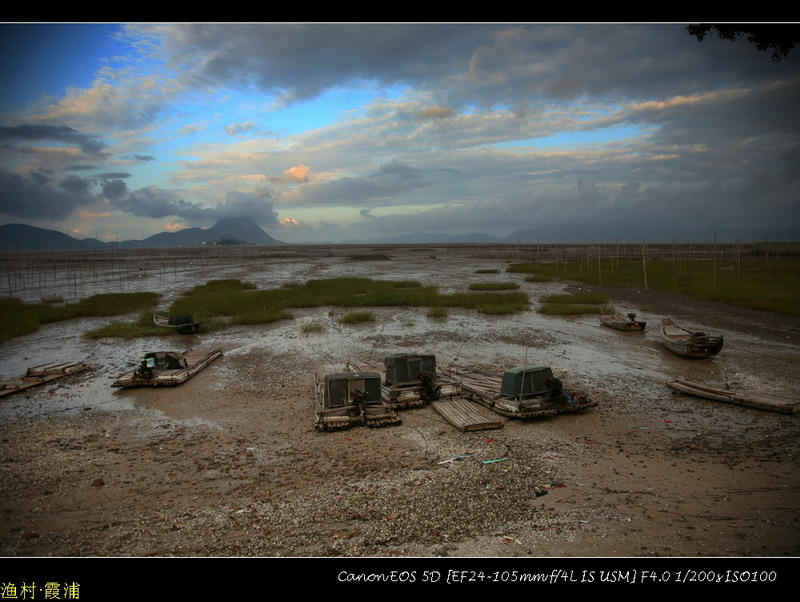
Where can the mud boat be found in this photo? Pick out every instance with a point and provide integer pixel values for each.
(38, 375)
(760, 401)
(522, 392)
(411, 381)
(183, 324)
(347, 399)
(687, 343)
(167, 368)
(631, 324)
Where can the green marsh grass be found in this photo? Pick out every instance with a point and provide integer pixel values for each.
(17, 317)
(538, 278)
(756, 283)
(243, 305)
(576, 298)
(575, 304)
(574, 309)
(437, 312)
(493, 286)
(312, 328)
(358, 317)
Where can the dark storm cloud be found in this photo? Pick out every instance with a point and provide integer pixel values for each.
(113, 175)
(40, 195)
(58, 133)
(487, 63)
(157, 203)
(141, 157)
(303, 60)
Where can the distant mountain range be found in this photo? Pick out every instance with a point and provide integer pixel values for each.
(231, 231)
(242, 230)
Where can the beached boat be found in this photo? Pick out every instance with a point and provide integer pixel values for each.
(629, 324)
(346, 399)
(688, 343)
(167, 368)
(761, 401)
(38, 375)
(523, 392)
(411, 380)
(184, 324)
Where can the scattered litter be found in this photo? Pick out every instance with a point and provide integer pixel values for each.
(456, 459)
(493, 461)
(641, 428)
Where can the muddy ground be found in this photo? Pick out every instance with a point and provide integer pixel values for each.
(229, 463)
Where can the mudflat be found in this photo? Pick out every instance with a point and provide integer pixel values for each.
(229, 464)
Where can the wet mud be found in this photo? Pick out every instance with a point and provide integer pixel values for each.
(229, 464)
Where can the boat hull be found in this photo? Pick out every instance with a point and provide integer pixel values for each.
(693, 345)
(761, 401)
(618, 323)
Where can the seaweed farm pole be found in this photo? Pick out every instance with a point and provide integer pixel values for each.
(714, 262)
(599, 264)
(644, 263)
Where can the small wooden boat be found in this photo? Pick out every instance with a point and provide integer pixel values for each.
(411, 380)
(38, 375)
(631, 324)
(523, 392)
(761, 401)
(167, 368)
(346, 399)
(687, 343)
(183, 324)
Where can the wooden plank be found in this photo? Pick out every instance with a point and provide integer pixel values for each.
(467, 416)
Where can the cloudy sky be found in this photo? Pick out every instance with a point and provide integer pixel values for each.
(329, 132)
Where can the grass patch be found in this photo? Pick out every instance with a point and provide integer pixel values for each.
(18, 318)
(493, 286)
(437, 312)
(575, 304)
(487, 271)
(358, 317)
(577, 298)
(574, 309)
(312, 328)
(538, 278)
(756, 283)
(219, 303)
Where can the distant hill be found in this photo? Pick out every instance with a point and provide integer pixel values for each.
(429, 237)
(238, 230)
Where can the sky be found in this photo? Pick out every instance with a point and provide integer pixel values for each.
(324, 132)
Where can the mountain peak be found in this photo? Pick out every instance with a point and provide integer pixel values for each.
(20, 237)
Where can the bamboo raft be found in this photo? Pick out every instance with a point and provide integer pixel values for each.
(168, 368)
(485, 389)
(38, 375)
(760, 401)
(466, 415)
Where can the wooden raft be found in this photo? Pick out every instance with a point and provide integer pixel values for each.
(771, 403)
(466, 415)
(39, 375)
